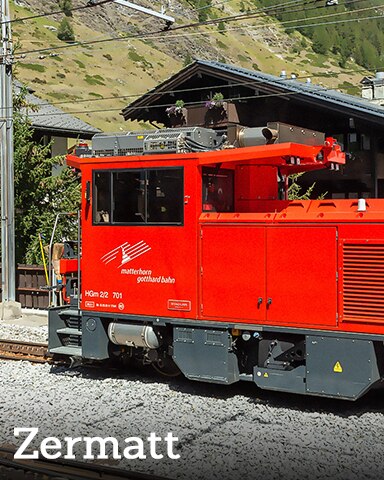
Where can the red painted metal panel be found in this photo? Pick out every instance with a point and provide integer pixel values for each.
(362, 281)
(141, 269)
(233, 272)
(301, 276)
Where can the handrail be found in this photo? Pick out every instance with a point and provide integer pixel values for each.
(50, 263)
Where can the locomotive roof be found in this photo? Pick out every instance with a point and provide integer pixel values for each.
(289, 157)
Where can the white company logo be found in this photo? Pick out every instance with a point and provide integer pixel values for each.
(126, 252)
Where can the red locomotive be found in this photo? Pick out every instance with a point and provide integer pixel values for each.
(191, 254)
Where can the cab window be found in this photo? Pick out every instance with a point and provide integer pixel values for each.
(139, 197)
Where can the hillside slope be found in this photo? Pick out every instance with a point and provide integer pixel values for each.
(78, 78)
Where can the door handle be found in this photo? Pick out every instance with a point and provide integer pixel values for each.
(269, 302)
(259, 302)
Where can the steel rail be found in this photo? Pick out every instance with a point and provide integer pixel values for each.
(68, 469)
(17, 350)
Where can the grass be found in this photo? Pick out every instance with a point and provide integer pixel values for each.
(242, 58)
(349, 88)
(222, 45)
(94, 79)
(135, 57)
(79, 63)
(63, 96)
(32, 66)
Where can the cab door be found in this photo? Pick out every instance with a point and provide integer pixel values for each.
(232, 273)
(301, 276)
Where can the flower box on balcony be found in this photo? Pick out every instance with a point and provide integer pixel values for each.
(217, 116)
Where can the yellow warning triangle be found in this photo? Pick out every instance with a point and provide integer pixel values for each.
(338, 368)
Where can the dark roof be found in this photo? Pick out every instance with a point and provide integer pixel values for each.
(53, 121)
(306, 92)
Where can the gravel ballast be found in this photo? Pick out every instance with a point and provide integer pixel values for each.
(236, 432)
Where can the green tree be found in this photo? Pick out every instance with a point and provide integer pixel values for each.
(221, 27)
(39, 195)
(65, 31)
(66, 6)
(188, 59)
(369, 56)
(322, 41)
(295, 190)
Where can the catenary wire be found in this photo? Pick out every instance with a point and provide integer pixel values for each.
(165, 105)
(90, 4)
(261, 14)
(253, 83)
(168, 32)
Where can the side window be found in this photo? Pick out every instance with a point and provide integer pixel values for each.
(134, 197)
(102, 197)
(165, 196)
(218, 190)
(129, 196)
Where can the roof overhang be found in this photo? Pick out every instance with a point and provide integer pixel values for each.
(144, 107)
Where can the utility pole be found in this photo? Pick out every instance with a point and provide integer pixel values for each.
(8, 262)
(6, 159)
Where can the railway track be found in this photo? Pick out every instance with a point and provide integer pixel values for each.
(16, 350)
(43, 469)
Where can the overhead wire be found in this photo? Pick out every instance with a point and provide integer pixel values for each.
(187, 104)
(264, 9)
(260, 9)
(250, 83)
(168, 33)
(89, 4)
(242, 83)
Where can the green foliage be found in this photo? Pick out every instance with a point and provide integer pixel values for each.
(321, 41)
(79, 63)
(203, 8)
(32, 66)
(221, 27)
(243, 58)
(94, 79)
(66, 6)
(362, 40)
(39, 195)
(218, 97)
(350, 88)
(188, 59)
(135, 57)
(65, 31)
(222, 45)
(294, 189)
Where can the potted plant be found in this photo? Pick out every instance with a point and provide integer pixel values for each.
(177, 113)
(216, 109)
(215, 102)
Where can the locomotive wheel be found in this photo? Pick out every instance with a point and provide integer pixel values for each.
(166, 367)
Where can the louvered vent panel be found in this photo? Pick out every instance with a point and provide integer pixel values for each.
(363, 282)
